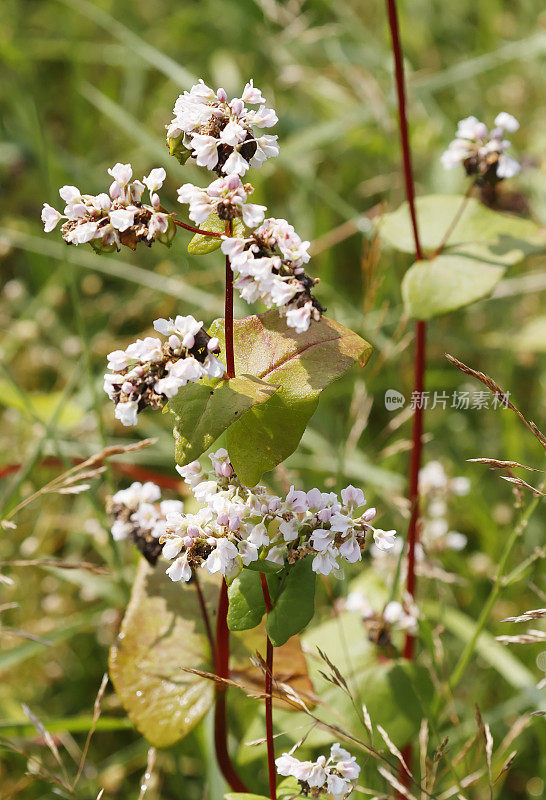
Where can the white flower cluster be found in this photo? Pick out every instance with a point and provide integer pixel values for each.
(140, 514)
(437, 488)
(336, 775)
(107, 221)
(219, 133)
(237, 525)
(151, 370)
(404, 617)
(482, 152)
(268, 265)
(225, 196)
(435, 534)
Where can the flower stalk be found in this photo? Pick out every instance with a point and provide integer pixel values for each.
(420, 336)
(420, 326)
(269, 698)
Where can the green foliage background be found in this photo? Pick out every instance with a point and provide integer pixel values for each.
(85, 84)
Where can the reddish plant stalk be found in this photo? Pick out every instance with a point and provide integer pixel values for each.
(196, 230)
(269, 699)
(420, 338)
(220, 708)
(222, 630)
(228, 315)
(420, 327)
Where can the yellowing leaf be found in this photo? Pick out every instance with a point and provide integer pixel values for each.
(162, 634)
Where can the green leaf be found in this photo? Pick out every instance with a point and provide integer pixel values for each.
(480, 232)
(263, 565)
(289, 789)
(301, 365)
(200, 245)
(246, 601)
(203, 413)
(161, 635)
(397, 694)
(295, 605)
(431, 288)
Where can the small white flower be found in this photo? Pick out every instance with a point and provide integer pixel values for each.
(127, 412)
(258, 535)
(251, 94)
(222, 559)
(324, 563)
(70, 194)
(233, 134)
(384, 540)
(121, 530)
(205, 148)
(122, 218)
(455, 540)
(179, 569)
(50, 217)
(507, 166)
(154, 181)
(121, 173)
(300, 318)
(83, 234)
(352, 497)
(235, 164)
(507, 122)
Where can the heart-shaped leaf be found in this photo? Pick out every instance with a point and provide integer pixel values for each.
(246, 601)
(301, 365)
(497, 238)
(162, 634)
(200, 244)
(430, 288)
(295, 604)
(203, 413)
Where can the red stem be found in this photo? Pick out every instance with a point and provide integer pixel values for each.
(205, 615)
(404, 138)
(195, 230)
(269, 699)
(420, 327)
(228, 314)
(222, 630)
(420, 335)
(220, 709)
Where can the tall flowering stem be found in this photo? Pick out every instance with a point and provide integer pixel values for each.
(220, 708)
(222, 630)
(420, 335)
(420, 326)
(228, 315)
(269, 699)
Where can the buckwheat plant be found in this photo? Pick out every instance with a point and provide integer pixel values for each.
(335, 775)
(482, 152)
(265, 549)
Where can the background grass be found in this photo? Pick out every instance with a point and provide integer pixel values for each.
(85, 84)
